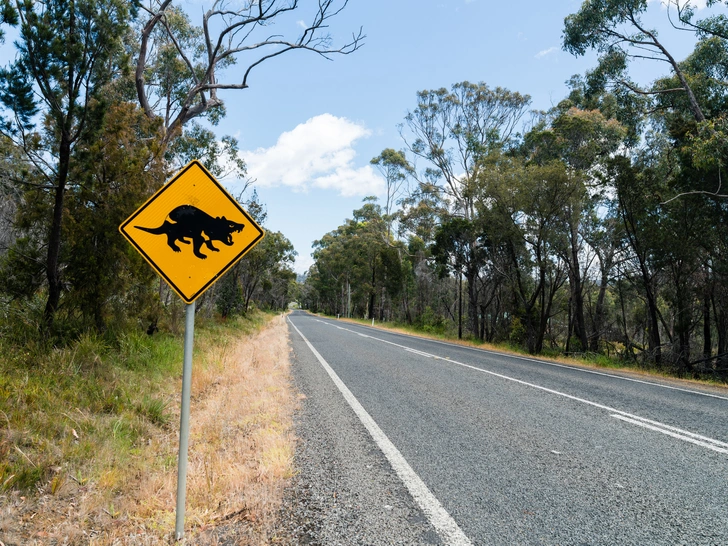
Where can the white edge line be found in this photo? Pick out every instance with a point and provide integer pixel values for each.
(546, 362)
(686, 435)
(669, 433)
(440, 519)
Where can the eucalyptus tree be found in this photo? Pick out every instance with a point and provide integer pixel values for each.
(396, 170)
(451, 251)
(264, 265)
(453, 131)
(521, 206)
(67, 51)
(355, 264)
(584, 140)
(181, 68)
(615, 29)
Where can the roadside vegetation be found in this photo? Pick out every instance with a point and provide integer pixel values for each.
(596, 229)
(89, 439)
(589, 360)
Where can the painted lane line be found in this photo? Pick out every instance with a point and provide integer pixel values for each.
(440, 519)
(704, 441)
(554, 364)
(420, 353)
(669, 433)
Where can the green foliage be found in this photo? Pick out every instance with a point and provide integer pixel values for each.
(155, 410)
(517, 334)
(229, 296)
(220, 156)
(600, 230)
(73, 407)
(431, 322)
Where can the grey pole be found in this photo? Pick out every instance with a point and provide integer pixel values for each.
(184, 421)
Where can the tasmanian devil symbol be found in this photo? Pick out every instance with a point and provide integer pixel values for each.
(188, 222)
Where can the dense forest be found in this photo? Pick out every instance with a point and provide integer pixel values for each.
(599, 226)
(104, 101)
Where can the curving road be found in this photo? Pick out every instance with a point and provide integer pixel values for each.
(413, 441)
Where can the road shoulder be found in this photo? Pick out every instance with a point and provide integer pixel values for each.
(345, 491)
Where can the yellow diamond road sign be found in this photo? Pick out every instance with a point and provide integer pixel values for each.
(191, 231)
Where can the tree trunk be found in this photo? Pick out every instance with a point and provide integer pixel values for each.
(721, 327)
(569, 326)
(707, 341)
(653, 328)
(598, 322)
(460, 305)
(371, 294)
(482, 323)
(579, 323)
(54, 237)
(471, 276)
(577, 291)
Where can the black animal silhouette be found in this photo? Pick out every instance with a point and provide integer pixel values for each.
(188, 222)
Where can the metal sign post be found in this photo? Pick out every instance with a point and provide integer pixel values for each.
(215, 232)
(184, 421)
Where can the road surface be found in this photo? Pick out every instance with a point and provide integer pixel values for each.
(413, 441)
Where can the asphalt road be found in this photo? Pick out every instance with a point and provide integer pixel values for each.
(433, 443)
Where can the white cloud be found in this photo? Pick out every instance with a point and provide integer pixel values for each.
(545, 52)
(316, 154)
(302, 24)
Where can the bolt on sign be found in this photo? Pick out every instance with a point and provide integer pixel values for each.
(191, 231)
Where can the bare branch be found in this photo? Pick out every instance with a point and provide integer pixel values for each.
(179, 49)
(643, 92)
(716, 193)
(225, 35)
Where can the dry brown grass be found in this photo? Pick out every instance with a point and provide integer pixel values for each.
(240, 456)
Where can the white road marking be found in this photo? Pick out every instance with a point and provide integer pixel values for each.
(555, 365)
(420, 353)
(697, 439)
(710, 444)
(440, 519)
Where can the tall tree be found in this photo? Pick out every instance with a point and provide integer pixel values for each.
(584, 140)
(396, 169)
(67, 51)
(453, 131)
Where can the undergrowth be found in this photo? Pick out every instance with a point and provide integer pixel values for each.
(85, 412)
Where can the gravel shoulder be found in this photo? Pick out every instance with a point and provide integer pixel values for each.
(344, 492)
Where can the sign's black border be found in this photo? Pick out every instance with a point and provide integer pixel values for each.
(193, 297)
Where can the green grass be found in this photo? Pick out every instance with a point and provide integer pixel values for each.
(79, 410)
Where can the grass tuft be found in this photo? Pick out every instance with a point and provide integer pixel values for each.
(155, 410)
